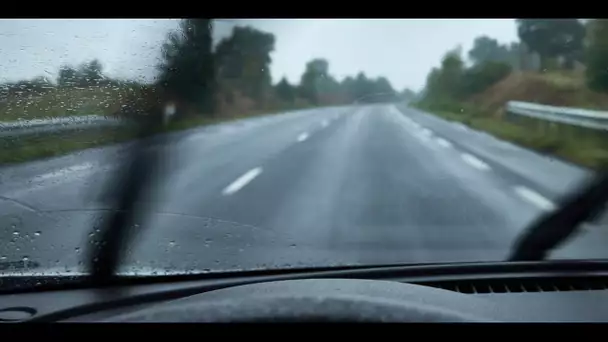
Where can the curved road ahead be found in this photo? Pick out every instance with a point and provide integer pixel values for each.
(361, 184)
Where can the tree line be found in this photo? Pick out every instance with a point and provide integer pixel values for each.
(545, 44)
(235, 74)
(239, 69)
(87, 74)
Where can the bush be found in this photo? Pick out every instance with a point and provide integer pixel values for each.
(596, 55)
(482, 76)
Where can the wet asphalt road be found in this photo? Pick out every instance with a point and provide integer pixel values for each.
(343, 185)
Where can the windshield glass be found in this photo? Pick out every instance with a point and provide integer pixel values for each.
(295, 143)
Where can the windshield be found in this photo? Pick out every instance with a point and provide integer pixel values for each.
(294, 143)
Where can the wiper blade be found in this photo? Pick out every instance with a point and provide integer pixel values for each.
(119, 227)
(555, 228)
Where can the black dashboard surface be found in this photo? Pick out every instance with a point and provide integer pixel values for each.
(576, 293)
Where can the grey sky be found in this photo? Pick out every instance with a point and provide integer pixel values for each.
(403, 50)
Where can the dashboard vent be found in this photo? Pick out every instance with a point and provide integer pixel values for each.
(522, 285)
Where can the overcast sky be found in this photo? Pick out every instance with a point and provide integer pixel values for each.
(403, 50)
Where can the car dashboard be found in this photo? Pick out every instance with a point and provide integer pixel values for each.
(500, 292)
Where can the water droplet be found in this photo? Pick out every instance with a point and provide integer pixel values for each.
(171, 243)
(16, 233)
(77, 250)
(3, 257)
(293, 245)
(25, 258)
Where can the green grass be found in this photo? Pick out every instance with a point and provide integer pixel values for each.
(26, 148)
(58, 101)
(580, 146)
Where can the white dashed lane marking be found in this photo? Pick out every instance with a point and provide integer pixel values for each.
(243, 180)
(302, 137)
(426, 132)
(444, 143)
(65, 171)
(475, 162)
(534, 197)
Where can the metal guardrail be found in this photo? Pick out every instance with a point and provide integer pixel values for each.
(592, 119)
(52, 125)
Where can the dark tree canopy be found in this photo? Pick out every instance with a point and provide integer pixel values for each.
(285, 91)
(552, 38)
(243, 61)
(187, 68)
(596, 55)
(67, 76)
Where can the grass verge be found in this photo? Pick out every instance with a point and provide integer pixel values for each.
(580, 146)
(32, 147)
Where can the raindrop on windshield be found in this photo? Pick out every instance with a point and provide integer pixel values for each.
(25, 258)
(37, 233)
(77, 250)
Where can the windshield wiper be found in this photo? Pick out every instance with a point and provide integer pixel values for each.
(555, 228)
(119, 227)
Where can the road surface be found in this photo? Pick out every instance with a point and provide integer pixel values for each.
(342, 185)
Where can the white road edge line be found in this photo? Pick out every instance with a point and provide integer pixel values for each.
(240, 182)
(302, 137)
(65, 171)
(475, 162)
(534, 198)
(444, 143)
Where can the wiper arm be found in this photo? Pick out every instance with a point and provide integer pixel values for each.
(118, 229)
(552, 229)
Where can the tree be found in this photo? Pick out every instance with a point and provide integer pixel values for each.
(90, 73)
(449, 77)
(363, 89)
(243, 62)
(596, 55)
(482, 76)
(187, 69)
(311, 81)
(285, 91)
(67, 76)
(408, 94)
(487, 49)
(552, 38)
(444, 85)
